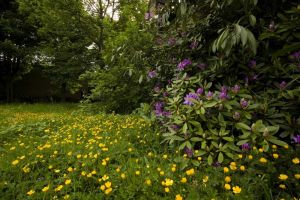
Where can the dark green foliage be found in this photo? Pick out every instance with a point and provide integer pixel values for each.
(230, 43)
(18, 40)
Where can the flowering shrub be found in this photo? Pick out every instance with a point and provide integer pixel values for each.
(224, 85)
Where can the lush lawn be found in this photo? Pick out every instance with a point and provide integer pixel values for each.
(56, 152)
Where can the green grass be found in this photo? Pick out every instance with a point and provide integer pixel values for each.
(45, 145)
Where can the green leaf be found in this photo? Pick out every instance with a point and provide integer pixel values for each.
(141, 79)
(195, 163)
(278, 142)
(196, 139)
(252, 20)
(241, 125)
(220, 157)
(243, 35)
(242, 142)
(175, 137)
(202, 110)
(229, 139)
(210, 104)
(184, 129)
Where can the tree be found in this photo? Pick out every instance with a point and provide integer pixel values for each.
(67, 32)
(18, 39)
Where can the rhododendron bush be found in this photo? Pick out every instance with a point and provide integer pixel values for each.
(226, 76)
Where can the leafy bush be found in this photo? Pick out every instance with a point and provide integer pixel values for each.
(227, 79)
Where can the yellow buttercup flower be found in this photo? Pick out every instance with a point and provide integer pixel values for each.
(227, 186)
(283, 177)
(58, 188)
(148, 182)
(45, 189)
(102, 187)
(30, 192)
(178, 197)
(233, 166)
(242, 168)
(165, 156)
(275, 155)
(226, 169)
(250, 157)
(190, 172)
(68, 181)
(15, 162)
(168, 182)
(107, 191)
(70, 169)
(263, 160)
(123, 176)
(105, 177)
(183, 180)
(282, 186)
(297, 176)
(236, 189)
(227, 179)
(137, 173)
(108, 184)
(167, 190)
(296, 161)
(205, 179)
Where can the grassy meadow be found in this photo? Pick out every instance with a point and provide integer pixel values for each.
(56, 152)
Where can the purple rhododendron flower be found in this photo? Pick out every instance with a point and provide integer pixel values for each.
(194, 45)
(224, 89)
(282, 85)
(171, 41)
(152, 74)
(189, 97)
(217, 164)
(182, 65)
(159, 109)
(174, 127)
(252, 64)
(297, 139)
(236, 116)
(209, 95)
(223, 96)
(246, 147)
(188, 151)
(296, 55)
(157, 89)
(148, 15)
(200, 91)
(235, 89)
(244, 103)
